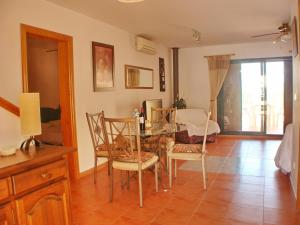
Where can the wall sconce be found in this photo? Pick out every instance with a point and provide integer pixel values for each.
(30, 118)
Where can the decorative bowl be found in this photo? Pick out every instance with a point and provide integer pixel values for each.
(7, 151)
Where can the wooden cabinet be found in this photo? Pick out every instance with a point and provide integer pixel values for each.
(4, 189)
(39, 176)
(46, 206)
(35, 191)
(7, 216)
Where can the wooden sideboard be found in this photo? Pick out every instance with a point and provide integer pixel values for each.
(34, 187)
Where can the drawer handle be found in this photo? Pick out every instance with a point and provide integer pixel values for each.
(45, 175)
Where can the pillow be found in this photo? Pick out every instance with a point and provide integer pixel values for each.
(49, 114)
(195, 116)
(183, 137)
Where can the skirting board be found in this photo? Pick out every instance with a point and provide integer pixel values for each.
(253, 137)
(91, 170)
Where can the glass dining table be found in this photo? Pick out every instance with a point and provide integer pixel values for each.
(151, 140)
(157, 131)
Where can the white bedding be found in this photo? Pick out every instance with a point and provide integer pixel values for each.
(199, 130)
(283, 158)
(193, 120)
(51, 133)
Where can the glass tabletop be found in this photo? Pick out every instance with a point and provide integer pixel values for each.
(158, 130)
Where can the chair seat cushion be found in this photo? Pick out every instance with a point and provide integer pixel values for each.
(102, 151)
(124, 156)
(133, 165)
(187, 148)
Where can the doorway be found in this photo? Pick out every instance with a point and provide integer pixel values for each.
(56, 48)
(42, 63)
(256, 97)
(263, 97)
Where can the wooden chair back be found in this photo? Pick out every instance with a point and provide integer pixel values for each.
(162, 116)
(123, 135)
(203, 150)
(96, 128)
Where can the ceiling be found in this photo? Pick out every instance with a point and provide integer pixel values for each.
(170, 22)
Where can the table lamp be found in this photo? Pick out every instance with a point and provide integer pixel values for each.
(30, 118)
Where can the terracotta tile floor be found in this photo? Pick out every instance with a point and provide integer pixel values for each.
(257, 194)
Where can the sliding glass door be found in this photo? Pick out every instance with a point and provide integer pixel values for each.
(274, 82)
(252, 97)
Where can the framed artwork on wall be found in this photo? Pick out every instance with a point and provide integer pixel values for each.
(294, 37)
(103, 66)
(162, 78)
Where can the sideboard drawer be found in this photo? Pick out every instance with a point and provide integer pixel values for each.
(4, 190)
(41, 175)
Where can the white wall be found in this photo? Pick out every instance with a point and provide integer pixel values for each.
(10, 130)
(84, 30)
(296, 107)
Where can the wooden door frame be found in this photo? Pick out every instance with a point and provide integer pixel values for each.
(65, 73)
(298, 147)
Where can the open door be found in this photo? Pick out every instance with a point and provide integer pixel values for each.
(66, 87)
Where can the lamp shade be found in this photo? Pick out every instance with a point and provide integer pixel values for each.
(30, 114)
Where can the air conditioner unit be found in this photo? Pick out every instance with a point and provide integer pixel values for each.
(144, 45)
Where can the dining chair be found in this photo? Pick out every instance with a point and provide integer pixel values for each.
(159, 119)
(96, 128)
(188, 152)
(123, 135)
(164, 118)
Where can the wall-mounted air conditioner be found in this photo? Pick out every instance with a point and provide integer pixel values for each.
(144, 45)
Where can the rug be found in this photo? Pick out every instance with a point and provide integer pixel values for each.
(215, 164)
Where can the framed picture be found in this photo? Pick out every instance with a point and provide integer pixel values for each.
(103, 66)
(294, 37)
(162, 81)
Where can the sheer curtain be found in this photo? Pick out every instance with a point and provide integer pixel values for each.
(218, 66)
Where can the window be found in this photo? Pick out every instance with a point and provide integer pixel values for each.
(256, 97)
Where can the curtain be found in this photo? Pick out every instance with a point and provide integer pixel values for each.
(229, 100)
(218, 66)
(288, 92)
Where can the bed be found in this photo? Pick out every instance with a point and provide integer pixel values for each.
(51, 126)
(283, 158)
(191, 125)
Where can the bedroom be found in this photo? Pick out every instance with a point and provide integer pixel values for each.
(50, 16)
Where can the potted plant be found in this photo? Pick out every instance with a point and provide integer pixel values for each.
(179, 103)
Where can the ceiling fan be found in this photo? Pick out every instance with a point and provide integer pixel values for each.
(283, 33)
